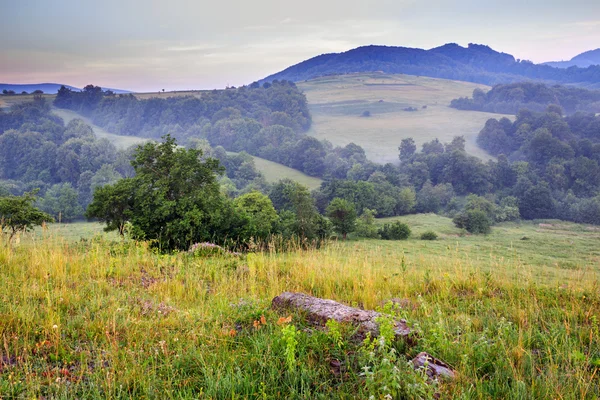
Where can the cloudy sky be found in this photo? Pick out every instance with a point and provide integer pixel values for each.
(148, 45)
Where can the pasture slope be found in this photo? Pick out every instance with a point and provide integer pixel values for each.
(109, 318)
(337, 103)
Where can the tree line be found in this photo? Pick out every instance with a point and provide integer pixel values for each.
(268, 121)
(510, 98)
(66, 163)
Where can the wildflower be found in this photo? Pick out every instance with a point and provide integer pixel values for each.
(54, 326)
(284, 320)
(263, 320)
(232, 332)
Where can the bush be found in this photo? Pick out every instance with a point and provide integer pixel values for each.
(429, 235)
(395, 231)
(365, 225)
(474, 221)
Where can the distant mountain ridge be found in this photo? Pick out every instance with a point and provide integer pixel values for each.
(475, 63)
(48, 88)
(582, 60)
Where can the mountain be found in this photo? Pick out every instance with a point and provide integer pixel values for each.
(475, 63)
(583, 60)
(48, 88)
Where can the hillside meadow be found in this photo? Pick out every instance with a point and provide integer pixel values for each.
(337, 103)
(99, 317)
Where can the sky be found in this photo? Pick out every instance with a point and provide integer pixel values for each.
(149, 45)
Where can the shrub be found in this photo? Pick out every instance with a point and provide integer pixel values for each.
(394, 231)
(365, 225)
(474, 221)
(429, 235)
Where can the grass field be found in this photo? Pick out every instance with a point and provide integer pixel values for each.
(274, 172)
(337, 103)
(121, 142)
(107, 318)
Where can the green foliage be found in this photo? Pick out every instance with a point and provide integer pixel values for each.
(395, 231)
(18, 214)
(365, 225)
(389, 375)
(510, 98)
(113, 205)
(429, 235)
(261, 217)
(334, 331)
(342, 215)
(474, 221)
(299, 216)
(173, 200)
(289, 336)
(61, 201)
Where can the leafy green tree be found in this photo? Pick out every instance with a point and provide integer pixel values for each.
(113, 205)
(407, 200)
(407, 149)
(342, 215)
(18, 214)
(62, 201)
(260, 213)
(177, 200)
(365, 224)
(537, 202)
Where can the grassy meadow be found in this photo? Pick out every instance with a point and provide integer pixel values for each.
(336, 104)
(274, 172)
(106, 318)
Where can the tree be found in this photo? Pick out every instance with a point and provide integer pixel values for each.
(407, 200)
(261, 217)
(17, 214)
(342, 215)
(537, 202)
(407, 149)
(174, 200)
(62, 201)
(365, 225)
(113, 205)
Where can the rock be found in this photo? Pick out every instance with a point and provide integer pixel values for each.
(434, 368)
(319, 311)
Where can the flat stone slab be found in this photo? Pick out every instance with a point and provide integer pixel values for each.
(319, 311)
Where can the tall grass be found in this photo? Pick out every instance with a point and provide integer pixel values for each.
(100, 319)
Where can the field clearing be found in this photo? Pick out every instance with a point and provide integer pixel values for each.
(120, 141)
(274, 172)
(113, 319)
(337, 103)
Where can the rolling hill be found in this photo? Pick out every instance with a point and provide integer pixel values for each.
(475, 63)
(337, 103)
(582, 60)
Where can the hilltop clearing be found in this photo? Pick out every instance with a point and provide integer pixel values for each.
(338, 103)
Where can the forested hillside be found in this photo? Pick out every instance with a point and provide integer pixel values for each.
(476, 63)
(550, 171)
(67, 162)
(510, 98)
(267, 121)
